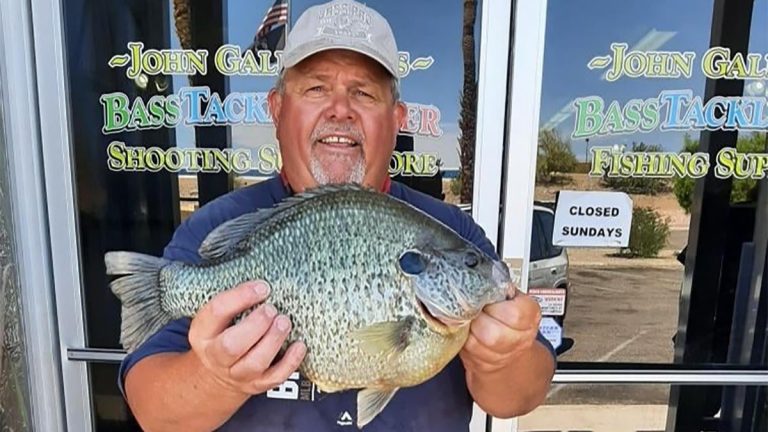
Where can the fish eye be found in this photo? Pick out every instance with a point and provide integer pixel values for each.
(471, 260)
(412, 262)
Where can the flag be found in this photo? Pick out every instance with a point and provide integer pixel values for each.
(271, 33)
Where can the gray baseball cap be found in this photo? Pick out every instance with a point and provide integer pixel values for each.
(342, 24)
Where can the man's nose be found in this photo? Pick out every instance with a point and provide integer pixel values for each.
(341, 107)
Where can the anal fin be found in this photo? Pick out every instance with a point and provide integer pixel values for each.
(371, 402)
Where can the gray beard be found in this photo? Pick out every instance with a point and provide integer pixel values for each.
(354, 175)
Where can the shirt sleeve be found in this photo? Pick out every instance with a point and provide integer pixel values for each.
(171, 338)
(474, 233)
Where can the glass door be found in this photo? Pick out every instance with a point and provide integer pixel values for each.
(646, 157)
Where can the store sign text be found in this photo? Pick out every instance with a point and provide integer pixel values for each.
(673, 110)
(266, 160)
(197, 106)
(228, 59)
(608, 161)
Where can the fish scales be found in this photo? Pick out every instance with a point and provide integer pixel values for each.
(318, 261)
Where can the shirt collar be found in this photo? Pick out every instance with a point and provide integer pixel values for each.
(386, 187)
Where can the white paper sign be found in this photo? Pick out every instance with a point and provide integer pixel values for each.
(552, 331)
(551, 300)
(592, 219)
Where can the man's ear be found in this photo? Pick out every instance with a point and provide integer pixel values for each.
(275, 101)
(400, 113)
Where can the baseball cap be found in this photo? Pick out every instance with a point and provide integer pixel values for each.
(342, 24)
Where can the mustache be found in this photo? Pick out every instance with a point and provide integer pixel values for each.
(346, 129)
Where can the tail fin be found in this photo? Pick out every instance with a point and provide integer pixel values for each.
(139, 291)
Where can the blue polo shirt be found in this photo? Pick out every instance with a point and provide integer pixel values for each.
(440, 404)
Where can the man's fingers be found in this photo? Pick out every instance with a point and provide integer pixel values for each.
(287, 365)
(235, 341)
(480, 352)
(217, 314)
(521, 313)
(489, 331)
(512, 291)
(260, 357)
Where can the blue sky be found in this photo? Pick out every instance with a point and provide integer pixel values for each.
(578, 30)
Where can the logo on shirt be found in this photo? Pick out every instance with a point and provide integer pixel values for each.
(345, 419)
(296, 388)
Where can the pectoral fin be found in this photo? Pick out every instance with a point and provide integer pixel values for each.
(370, 402)
(389, 337)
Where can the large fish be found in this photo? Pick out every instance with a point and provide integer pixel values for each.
(380, 292)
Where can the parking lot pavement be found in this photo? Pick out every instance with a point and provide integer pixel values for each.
(620, 314)
(615, 418)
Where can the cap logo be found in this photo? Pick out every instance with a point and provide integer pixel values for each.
(345, 21)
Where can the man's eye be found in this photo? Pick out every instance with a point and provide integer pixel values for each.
(316, 89)
(364, 94)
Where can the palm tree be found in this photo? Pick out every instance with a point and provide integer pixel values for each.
(182, 17)
(467, 120)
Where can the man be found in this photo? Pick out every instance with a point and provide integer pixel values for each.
(337, 114)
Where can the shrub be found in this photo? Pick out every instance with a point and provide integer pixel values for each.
(582, 168)
(455, 186)
(637, 184)
(741, 189)
(648, 234)
(554, 156)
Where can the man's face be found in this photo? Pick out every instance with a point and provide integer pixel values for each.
(336, 121)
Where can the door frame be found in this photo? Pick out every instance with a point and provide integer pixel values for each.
(58, 180)
(50, 380)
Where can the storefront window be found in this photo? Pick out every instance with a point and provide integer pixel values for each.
(14, 388)
(623, 112)
(619, 303)
(142, 167)
(657, 226)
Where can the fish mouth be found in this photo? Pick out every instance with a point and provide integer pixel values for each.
(438, 321)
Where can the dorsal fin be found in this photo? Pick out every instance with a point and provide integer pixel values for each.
(230, 236)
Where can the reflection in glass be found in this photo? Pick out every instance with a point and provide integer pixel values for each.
(111, 413)
(623, 302)
(14, 389)
(117, 208)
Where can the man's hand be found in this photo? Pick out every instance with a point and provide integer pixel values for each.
(502, 332)
(508, 371)
(200, 389)
(240, 357)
